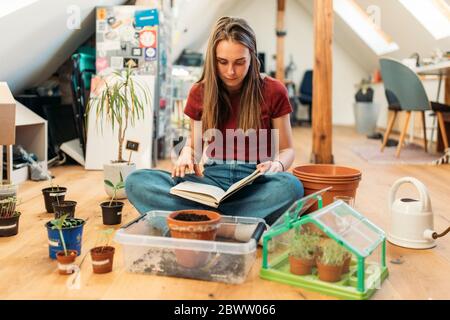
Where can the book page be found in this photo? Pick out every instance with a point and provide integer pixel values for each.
(242, 183)
(199, 188)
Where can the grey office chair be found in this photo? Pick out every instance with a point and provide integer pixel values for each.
(410, 92)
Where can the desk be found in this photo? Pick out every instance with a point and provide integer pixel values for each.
(441, 69)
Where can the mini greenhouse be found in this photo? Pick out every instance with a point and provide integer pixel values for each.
(337, 224)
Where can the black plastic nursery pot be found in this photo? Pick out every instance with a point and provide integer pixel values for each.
(9, 226)
(112, 214)
(53, 194)
(64, 207)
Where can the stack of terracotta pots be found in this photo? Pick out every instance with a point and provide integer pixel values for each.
(344, 180)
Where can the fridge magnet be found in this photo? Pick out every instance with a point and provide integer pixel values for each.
(130, 63)
(150, 54)
(147, 39)
(101, 14)
(111, 35)
(136, 52)
(146, 18)
(117, 62)
(101, 64)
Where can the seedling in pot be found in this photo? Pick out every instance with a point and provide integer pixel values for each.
(330, 261)
(66, 257)
(103, 256)
(7, 190)
(53, 194)
(9, 217)
(302, 253)
(112, 210)
(72, 230)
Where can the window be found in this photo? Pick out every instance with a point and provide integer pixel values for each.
(364, 27)
(7, 7)
(434, 15)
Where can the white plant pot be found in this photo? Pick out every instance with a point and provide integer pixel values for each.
(112, 173)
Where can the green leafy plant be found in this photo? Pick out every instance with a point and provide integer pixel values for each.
(119, 102)
(8, 207)
(59, 224)
(304, 245)
(105, 237)
(331, 253)
(116, 187)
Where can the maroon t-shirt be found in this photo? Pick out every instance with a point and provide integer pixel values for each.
(235, 145)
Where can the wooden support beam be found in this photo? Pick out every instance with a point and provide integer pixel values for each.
(280, 32)
(322, 82)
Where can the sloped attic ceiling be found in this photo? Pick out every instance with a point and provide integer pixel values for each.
(397, 22)
(191, 17)
(36, 39)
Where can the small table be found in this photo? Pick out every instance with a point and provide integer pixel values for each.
(441, 69)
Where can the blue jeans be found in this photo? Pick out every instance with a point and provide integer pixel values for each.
(267, 197)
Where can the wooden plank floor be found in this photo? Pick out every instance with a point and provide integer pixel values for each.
(26, 271)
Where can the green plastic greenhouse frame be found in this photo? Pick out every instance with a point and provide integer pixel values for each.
(350, 287)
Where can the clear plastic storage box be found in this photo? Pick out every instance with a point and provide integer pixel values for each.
(149, 249)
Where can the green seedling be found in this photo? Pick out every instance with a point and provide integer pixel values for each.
(8, 207)
(59, 224)
(118, 186)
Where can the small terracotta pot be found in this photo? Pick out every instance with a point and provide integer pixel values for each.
(346, 265)
(65, 263)
(64, 207)
(198, 230)
(53, 194)
(329, 273)
(301, 266)
(102, 259)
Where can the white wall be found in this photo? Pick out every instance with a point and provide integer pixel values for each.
(35, 40)
(261, 15)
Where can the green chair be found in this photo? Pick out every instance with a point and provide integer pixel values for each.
(410, 92)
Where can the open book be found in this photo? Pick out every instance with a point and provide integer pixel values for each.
(208, 194)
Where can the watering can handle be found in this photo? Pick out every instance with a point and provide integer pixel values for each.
(424, 198)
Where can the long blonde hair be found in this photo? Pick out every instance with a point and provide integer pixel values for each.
(216, 102)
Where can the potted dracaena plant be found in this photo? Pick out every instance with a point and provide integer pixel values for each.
(102, 256)
(9, 217)
(112, 210)
(65, 257)
(121, 102)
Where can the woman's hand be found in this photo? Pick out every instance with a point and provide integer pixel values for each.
(185, 164)
(270, 167)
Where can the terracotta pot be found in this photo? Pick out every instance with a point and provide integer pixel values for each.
(341, 187)
(328, 171)
(65, 263)
(9, 226)
(112, 215)
(198, 230)
(53, 194)
(102, 259)
(64, 207)
(329, 273)
(301, 266)
(346, 266)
